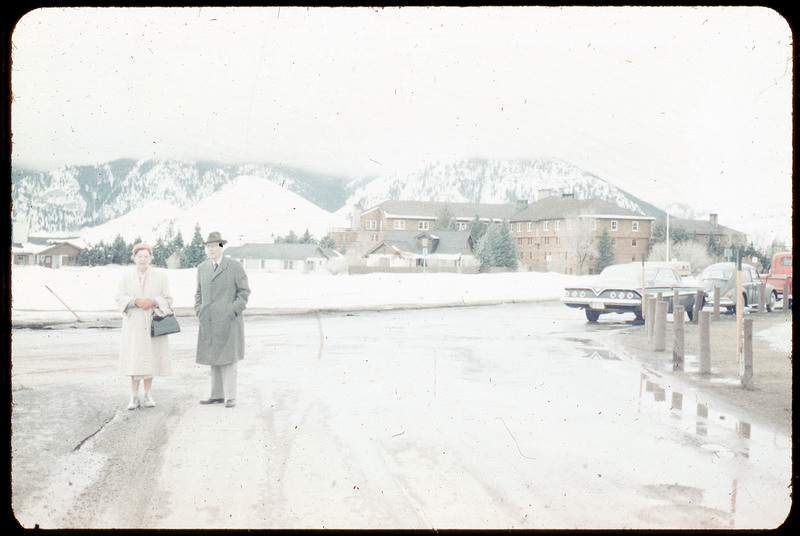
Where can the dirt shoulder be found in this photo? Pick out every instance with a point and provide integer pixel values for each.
(770, 400)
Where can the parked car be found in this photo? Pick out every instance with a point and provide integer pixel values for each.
(618, 289)
(780, 273)
(723, 275)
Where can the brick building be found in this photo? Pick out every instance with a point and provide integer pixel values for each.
(561, 233)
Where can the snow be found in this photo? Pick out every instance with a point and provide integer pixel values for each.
(93, 289)
(251, 209)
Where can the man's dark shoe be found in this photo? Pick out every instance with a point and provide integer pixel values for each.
(230, 403)
(213, 401)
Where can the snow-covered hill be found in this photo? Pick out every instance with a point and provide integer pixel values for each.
(248, 208)
(492, 181)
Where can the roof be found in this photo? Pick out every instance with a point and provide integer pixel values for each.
(442, 242)
(281, 251)
(702, 227)
(553, 208)
(460, 211)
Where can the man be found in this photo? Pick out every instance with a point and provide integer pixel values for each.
(219, 302)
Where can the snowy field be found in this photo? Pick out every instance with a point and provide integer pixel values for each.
(93, 288)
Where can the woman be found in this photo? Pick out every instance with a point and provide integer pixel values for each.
(141, 292)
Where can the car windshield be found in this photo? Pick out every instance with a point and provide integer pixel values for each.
(633, 272)
(717, 273)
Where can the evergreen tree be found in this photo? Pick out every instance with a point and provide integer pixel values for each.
(194, 253)
(307, 238)
(119, 252)
(497, 247)
(290, 238)
(93, 256)
(477, 228)
(327, 242)
(176, 246)
(160, 253)
(605, 252)
(445, 220)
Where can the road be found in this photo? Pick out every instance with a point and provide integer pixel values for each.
(509, 416)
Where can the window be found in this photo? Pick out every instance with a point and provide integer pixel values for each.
(400, 224)
(519, 227)
(371, 225)
(546, 225)
(529, 226)
(423, 225)
(557, 225)
(614, 225)
(593, 225)
(288, 265)
(462, 226)
(635, 227)
(569, 225)
(633, 242)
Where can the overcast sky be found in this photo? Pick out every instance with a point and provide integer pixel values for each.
(671, 104)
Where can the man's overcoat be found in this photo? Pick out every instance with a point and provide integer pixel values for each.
(219, 302)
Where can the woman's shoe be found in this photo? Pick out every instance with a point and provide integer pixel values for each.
(148, 401)
(134, 403)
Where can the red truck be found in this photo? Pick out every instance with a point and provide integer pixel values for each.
(780, 273)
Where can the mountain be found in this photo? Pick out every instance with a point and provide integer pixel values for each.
(150, 197)
(492, 181)
(74, 197)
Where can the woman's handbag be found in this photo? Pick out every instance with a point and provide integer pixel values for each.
(164, 325)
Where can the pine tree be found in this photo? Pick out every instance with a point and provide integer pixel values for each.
(477, 228)
(194, 253)
(445, 220)
(307, 238)
(160, 253)
(497, 248)
(176, 246)
(119, 252)
(605, 252)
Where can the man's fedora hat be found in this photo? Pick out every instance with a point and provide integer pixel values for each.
(215, 238)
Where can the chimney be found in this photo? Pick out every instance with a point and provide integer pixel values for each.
(355, 224)
(713, 219)
(543, 193)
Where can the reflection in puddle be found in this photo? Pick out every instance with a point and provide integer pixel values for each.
(593, 350)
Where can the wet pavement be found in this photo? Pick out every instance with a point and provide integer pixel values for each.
(510, 416)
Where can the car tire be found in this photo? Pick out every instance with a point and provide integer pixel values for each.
(591, 316)
(773, 297)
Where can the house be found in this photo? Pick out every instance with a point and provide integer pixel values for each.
(303, 258)
(561, 233)
(421, 216)
(426, 250)
(50, 254)
(710, 230)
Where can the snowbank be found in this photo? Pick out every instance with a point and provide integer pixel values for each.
(93, 289)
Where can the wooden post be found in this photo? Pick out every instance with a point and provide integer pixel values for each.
(746, 367)
(660, 327)
(698, 306)
(716, 303)
(676, 300)
(762, 300)
(739, 307)
(705, 342)
(785, 297)
(650, 318)
(678, 353)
